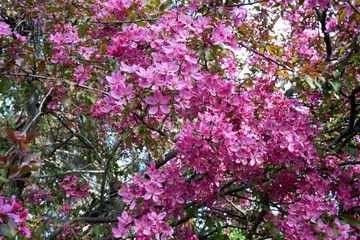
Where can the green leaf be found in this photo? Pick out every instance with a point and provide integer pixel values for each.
(141, 24)
(52, 9)
(93, 98)
(216, 48)
(213, 147)
(336, 85)
(97, 231)
(133, 16)
(209, 55)
(137, 128)
(143, 133)
(351, 151)
(292, 7)
(272, 228)
(276, 5)
(4, 180)
(5, 84)
(190, 212)
(165, 5)
(209, 223)
(95, 27)
(219, 227)
(301, 2)
(4, 230)
(310, 82)
(341, 16)
(351, 220)
(270, 49)
(81, 31)
(66, 100)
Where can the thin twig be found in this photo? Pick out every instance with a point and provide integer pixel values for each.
(39, 111)
(263, 55)
(246, 4)
(61, 144)
(146, 125)
(234, 206)
(58, 230)
(107, 166)
(349, 163)
(91, 145)
(127, 21)
(64, 80)
(353, 7)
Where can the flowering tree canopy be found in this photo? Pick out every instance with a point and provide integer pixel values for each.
(180, 119)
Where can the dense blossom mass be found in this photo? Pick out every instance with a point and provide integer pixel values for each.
(180, 119)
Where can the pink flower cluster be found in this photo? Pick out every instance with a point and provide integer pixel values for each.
(225, 129)
(148, 225)
(74, 189)
(307, 219)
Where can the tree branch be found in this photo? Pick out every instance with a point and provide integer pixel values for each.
(258, 220)
(167, 158)
(263, 55)
(234, 206)
(58, 230)
(327, 39)
(39, 111)
(127, 21)
(61, 144)
(102, 194)
(144, 123)
(353, 113)
(354, 8)
(246, 4)
(64, 80)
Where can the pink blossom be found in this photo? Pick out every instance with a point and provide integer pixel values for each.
(143, 226)
(344, 229)
(129, 69)
(122, 94)
(148, 73)
(153, 192)
(86, 52)
(167, 67)
(21, 38)
(81, 74)
(4, 29)
(121, 231)
(158, 102)
(59, 57)
(156, 217)
(125, 218)
(116, 80)
(11, 211)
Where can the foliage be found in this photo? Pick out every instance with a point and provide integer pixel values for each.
(179, 119)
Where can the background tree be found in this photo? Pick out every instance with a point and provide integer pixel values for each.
(179, 119)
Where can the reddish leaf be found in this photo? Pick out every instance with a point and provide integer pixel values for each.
(30, 136)
(13, 169)
(24, 168)
(28, 181)
(11, 135)
(23, 146)
(4, 159)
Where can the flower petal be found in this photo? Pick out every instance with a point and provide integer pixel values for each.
(153, 110)
(150, 100)
(165, 109)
